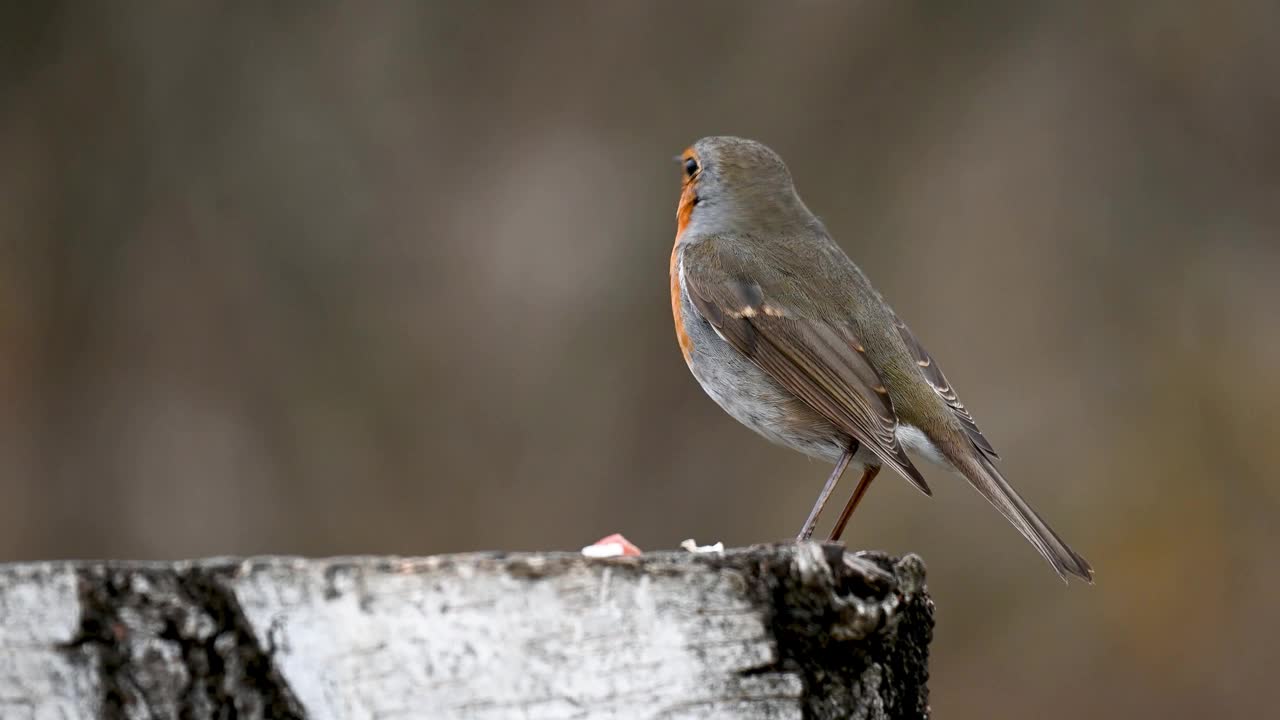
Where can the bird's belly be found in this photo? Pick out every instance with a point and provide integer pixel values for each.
(753, 398)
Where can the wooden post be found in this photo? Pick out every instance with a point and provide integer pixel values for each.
(781, 631)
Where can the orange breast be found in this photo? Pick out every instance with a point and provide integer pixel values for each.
(684, 210)
(686, 343)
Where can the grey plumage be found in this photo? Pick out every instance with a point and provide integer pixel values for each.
(789, 337)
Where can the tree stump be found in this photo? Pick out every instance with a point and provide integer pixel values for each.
(779, 631)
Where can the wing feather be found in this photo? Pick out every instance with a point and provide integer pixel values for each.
(938, 381)
(813, 359)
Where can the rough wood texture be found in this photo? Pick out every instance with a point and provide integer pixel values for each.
(787, 631)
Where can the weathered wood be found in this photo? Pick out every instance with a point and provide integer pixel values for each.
(785, 631)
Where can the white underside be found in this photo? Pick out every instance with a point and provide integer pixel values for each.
(912, 438)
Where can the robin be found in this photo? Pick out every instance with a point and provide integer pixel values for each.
(788, 336)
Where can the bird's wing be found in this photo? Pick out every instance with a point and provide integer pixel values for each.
(938, 381)
(821, 363)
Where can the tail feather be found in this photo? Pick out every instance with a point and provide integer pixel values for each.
(987, 480)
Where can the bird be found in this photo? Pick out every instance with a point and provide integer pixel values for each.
(789, 337)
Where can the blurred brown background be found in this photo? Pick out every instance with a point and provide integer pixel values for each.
(392, 278)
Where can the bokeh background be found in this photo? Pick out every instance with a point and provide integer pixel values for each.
(333, 278)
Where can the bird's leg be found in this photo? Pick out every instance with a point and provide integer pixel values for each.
(868, 475)
(807, 531)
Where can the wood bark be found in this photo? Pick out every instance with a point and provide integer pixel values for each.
(783, 631)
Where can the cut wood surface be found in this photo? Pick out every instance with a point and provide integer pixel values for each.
(781, 631)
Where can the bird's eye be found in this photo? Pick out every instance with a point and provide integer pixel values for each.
(690, 167)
